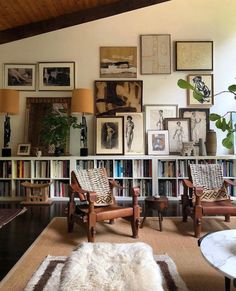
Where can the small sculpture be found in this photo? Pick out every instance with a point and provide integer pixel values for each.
(188, 148)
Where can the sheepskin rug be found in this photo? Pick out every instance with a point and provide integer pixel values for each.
(111, 267)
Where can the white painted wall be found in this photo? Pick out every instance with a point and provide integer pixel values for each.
(183, 19)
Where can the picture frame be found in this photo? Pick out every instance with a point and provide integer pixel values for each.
(155, 54)
(179, 131)
(158, 142)
(118, 96)
(53, 76)
(118, 62)
(155, 115)
(23, 149)
(20, 77)
(194, 55)
(205, 85)
(109, 135)
(133, 133)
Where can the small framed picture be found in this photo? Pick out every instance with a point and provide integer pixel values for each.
(20, 77)
(109, 135)
(179, 132)
(204, 84)
(56, 76)
(23, 149)
(158, 142)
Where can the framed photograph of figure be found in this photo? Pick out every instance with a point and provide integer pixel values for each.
(109, 135)
(158, 142)
(118, 96)
(23, 149)
(133, 133)
(179, 132)
(204, 84)
(155, 115)
(56, 76)
(20, 77)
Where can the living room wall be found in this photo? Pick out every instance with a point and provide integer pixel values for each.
(183, 19)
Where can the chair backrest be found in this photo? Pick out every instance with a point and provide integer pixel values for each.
(96, 180)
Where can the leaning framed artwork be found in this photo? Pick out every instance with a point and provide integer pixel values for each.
(194, 55)
(23, 149)
(20, 77)
(118, 96)
(158, 142)
(56, 76)
(109, 135)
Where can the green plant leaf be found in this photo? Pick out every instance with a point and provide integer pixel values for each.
(218, 123)
(214, 116)
(198, 96)
(228, 141)
(184, 84)
(232, 88)
(223, 124)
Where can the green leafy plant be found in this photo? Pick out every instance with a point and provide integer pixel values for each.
(220, 120)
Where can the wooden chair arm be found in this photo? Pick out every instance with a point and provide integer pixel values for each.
(228, 182)
(188, 183)
(114, 184)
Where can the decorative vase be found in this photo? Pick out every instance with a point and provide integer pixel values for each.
(211, 143)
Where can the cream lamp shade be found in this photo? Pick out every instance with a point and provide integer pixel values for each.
(9, 101)
(82, 101)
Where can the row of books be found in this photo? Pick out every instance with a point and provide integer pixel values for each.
(84, 165)
(23, 169)
(166, 169)
(5, 188)
(42, 169)
(145, 187)
(60, 169)
(5, 169)
(61, 189)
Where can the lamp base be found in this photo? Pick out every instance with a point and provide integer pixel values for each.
(6, 152)
(83, 152)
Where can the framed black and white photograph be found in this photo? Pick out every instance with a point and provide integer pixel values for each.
(56, 76)
(155, 115)
(179, 131)
(155, 54)
(194, 55)
(109, 135)
(118, 96)
(118, 62)
(158, 142)
(204, 84)
(133, 133)
(23, 149)
(20, 77)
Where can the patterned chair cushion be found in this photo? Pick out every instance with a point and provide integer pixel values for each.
(96, 180)
(210, 177)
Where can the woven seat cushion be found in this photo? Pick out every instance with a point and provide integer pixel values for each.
(95, 180)
(210, 178)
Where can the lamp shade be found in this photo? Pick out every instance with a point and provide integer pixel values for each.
(9, 101)
(82, 101)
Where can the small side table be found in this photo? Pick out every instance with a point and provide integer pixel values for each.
(153, 203)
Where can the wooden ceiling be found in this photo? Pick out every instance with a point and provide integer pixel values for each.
(25, 18)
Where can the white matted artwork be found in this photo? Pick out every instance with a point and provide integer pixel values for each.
(158, 142)
(133, 133)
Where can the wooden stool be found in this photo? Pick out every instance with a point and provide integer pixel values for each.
(36, 193)
(153, 203)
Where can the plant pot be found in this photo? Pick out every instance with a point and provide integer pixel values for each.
(211, 143)
(58, 151)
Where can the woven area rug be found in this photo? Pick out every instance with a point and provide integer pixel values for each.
(47, 277)
(7, 214)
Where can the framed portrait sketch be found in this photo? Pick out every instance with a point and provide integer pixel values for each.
(194, 55)
(133, 133)
(155, 54)
(204, 84)
(158, 142)
(20, 77)
(179, 132)
(23, 149)
(118, 62)
(109, 135)
(118, 96)
(56, 76)
(155, 115)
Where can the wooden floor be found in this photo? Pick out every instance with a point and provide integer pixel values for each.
(20, 233)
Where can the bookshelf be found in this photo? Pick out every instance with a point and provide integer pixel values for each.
(161, 175)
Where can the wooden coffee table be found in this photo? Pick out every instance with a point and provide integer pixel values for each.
(153, 203)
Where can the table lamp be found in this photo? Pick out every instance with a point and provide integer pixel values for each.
(82, 102)
(9, 104)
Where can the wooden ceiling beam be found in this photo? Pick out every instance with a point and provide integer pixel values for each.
(75, 18)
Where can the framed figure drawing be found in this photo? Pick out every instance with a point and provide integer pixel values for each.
(133, 133)
(109, 135)
(158, 142)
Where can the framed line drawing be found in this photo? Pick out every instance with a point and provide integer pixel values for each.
(20, 77)
(155, 54)
(158, 142)
(179, 132)
(23, 149)
(133, 133)
(109, 135)
(118, 62)
(118, 96)
(194, 55)
(204, 84)
(155, 115)
(56, 76)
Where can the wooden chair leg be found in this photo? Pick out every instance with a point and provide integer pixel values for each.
(197, 220)
(111, 221)
(70, 216)
(227, 217)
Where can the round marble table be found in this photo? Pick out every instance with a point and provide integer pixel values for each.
(219, 249)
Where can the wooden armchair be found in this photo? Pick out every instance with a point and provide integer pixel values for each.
(97, 203)
(206, 194)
